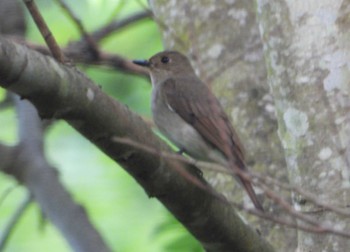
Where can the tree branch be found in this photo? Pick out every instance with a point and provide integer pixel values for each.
(117, 25)
(92, 45)
(44, 30)
(26, 162)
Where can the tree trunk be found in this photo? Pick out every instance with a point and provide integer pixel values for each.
(308, 53)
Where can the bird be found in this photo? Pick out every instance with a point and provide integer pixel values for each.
(186, 111)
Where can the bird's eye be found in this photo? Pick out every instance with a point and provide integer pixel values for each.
(164, 59)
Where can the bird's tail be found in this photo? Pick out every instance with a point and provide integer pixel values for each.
(251, 193)
(240, 175)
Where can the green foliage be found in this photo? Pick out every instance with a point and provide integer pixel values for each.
(175, 237)
(116, 204)
(8, 128)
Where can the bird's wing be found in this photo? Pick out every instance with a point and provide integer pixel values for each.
(204, 112)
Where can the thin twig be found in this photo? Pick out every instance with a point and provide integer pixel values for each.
(184, 173)
(312, 226)
(105, 59)
(309, 196)
(286, 206)
(117, 9)
(168, 155)
(117, 25)
(44, 30)
(307, 228)
(13, 221)
(7, 193)
(90, 41)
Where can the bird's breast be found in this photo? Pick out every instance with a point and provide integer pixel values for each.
(181, 133)
(170, 124)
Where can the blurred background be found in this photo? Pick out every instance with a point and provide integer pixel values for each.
(118, 207)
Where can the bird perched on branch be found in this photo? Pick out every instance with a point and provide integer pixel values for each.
(187, 113)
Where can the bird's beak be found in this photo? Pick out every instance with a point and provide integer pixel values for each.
(144, 63)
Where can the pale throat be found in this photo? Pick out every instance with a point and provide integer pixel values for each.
(159, 76)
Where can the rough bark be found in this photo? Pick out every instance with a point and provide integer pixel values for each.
(223, 41)
(307, 53)
(62, 92)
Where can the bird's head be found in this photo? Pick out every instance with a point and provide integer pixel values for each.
(166, 64)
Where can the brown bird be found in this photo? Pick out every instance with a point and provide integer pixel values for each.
(187, 113)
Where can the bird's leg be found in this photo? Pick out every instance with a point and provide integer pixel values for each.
(194, 170)
(197, 172)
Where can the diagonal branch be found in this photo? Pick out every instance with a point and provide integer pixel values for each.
(62, 92)
(27, 163)
(92, 45)
(44, 30)
(117, 25)
(80, 55)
